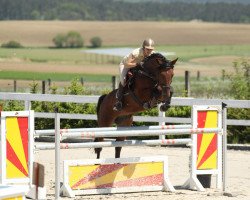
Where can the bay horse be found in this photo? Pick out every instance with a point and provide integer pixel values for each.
(148, 86)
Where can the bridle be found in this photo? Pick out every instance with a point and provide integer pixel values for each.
(158, 90)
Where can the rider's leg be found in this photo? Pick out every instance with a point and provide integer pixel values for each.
(119, 97)
(119, 93)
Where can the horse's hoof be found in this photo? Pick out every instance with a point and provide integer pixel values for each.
(164, 108)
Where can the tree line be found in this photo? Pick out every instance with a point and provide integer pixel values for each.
(111, 10)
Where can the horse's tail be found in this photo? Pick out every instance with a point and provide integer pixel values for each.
(99, 103)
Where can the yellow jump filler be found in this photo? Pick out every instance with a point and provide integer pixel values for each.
(104, 176)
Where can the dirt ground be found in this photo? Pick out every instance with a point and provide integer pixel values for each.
(41, 33)
(238, 179)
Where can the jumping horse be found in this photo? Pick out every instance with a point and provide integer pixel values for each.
(147, 86)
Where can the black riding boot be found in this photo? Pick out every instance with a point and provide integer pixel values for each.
(119, 96)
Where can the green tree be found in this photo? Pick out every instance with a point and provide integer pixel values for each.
(240, 89)
(96, 42)
(74, 40)
(35, 15)
(12, 44)
(60, 40)
(239, 80)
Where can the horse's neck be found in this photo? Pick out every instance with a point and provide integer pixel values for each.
(143, 88)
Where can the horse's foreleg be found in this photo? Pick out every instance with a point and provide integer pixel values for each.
(122, 121)
(164, 107)
(118, 149)
(99, 149)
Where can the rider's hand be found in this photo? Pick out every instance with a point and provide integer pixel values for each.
(130, 73)
(140, 64)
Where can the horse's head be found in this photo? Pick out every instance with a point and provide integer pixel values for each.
(162, 70)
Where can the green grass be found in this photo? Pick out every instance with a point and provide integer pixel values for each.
(186, 53)
(44, 54)
(70, 76)
(53, 76)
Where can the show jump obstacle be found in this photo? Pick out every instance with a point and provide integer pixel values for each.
(115, 175)
(110, 175)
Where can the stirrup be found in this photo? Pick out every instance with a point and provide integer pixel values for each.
(117, 106)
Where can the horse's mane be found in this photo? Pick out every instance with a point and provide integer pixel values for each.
(156, 55)
(165, 62)
(152, 56)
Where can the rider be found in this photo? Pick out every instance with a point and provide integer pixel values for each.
(131, 60)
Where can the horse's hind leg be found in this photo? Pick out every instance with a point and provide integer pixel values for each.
(103, 121)
(122, 121)
(99, 149)
(118, 149)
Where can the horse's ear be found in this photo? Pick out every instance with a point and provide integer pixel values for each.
(174, 61)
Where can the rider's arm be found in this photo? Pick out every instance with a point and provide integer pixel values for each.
(130, 62)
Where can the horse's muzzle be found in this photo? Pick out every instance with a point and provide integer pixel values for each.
(165, 92)
(164, 107)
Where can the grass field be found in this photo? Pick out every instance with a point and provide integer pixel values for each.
(207, 47)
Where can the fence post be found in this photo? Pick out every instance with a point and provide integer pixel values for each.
(102, 58)
(43, 87)
(82, 81)
(198, 75)
(27, 105)
(49, 82)
(96, 58)
(14, 85)
(223, 74)
(187, 84)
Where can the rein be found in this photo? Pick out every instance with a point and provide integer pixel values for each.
(146, 74)
(151, 103)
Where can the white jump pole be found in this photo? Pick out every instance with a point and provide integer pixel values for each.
(49, 132)
(128, 133)
(167, 142)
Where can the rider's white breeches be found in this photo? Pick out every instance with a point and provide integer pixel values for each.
(123, 72)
